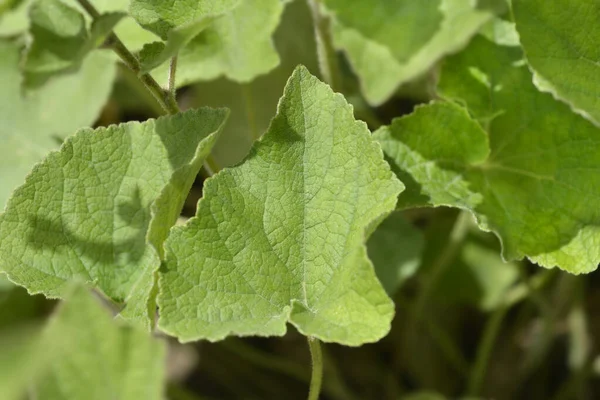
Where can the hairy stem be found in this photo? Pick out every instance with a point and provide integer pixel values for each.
(172, 88)
(166, 98)
(316, 378)
(328, 62)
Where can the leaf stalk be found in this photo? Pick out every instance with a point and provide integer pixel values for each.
(316, 378)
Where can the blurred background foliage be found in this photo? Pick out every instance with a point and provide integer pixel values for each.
(467, 325)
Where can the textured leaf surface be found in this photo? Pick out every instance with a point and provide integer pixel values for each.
(98, 359)
(34, 122)
(395, 249)
(560, 40)
(61, 40)
(16, 21)
(401, 39)
(161, 16)
(100, 208)
(253, 104)
(155, 53)
(82, 354)
(534, 187)
(281, 237)
(238, 45)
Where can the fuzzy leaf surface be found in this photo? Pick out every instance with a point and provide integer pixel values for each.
(559, 38)
(281, 237)
(532, 184)
(34, 122)
(401, 39)
(161, 17)
(100, 208)
(82, 353)
(61, 39)
(238, 45)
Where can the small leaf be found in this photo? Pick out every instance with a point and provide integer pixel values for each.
(534, 183)
(281, 236)
(35, 122)
(100, 208)
(253, 104)
(82, 354)
(559, 38)
(161, 17)
(395, 249)
(238, 45)
(401, 39)
(155, 53)
(61, 39)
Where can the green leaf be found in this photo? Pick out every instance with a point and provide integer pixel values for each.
(401, 39)
(128, 30)
(34, 122)
(100, 208)
(98, 359)
(238, 45)
(16, 21)
(253, 104)
(430, 160)
(534, 187)
(61, 39)
(281, 236)
(559, 38)
(13, 20)
(161, 17)
(395, 249)
(154, 54)
(82, 354)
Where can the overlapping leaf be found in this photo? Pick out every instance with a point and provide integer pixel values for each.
(395, 248)
(82, 353)
(389, 43)
(161, 17)
(34, 122)
(16, 21)
(61, 39)
(100, 208)
(253, 104)
(281, 237)
(560, 41)
(535, 181)
(237, 45)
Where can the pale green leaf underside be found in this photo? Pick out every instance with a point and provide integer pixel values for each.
(84, 354)
(16, 22)
(280, 238)
(385, 62)
(154, 54)
(34, 122)
(100, 208)
(161, 16)
(238, 45)
(403, 26)
(61, 39)
(560, 39)
(535, 187)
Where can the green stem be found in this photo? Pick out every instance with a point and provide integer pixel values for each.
(328, 61)
(166, 98)
(172, 74)
(316, 378)
(484, 351)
